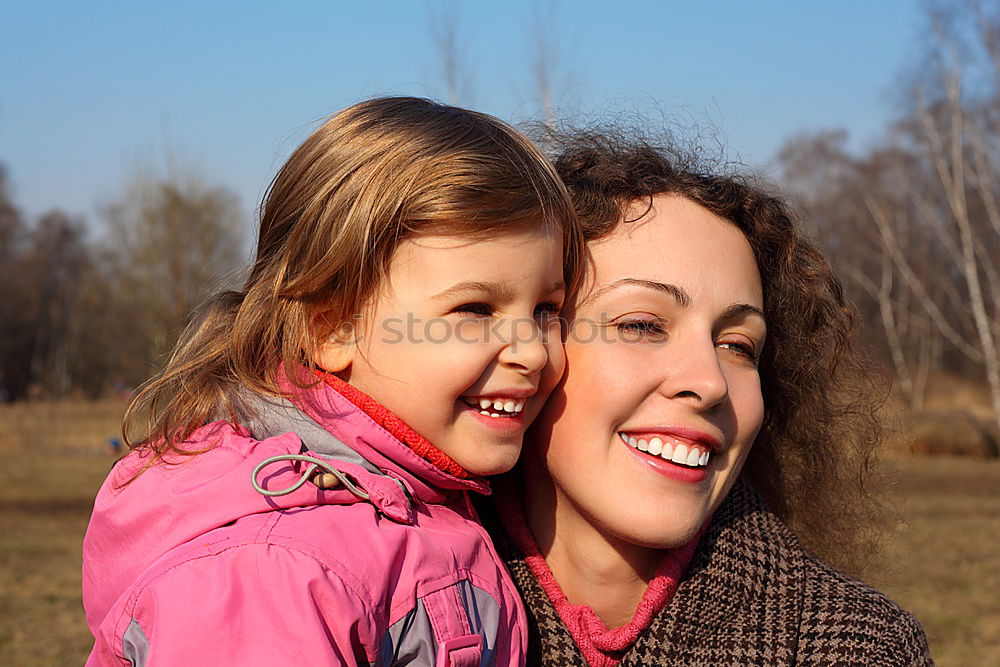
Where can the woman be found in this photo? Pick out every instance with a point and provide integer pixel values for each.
(712, 397)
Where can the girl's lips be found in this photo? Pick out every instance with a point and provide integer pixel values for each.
(496, 404)
(504, 422)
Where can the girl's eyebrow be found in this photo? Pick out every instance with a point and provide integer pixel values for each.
(502, 290)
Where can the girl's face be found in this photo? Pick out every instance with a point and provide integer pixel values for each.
(661, 400)
(463, 341)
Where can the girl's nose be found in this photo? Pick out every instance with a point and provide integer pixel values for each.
(525, 347)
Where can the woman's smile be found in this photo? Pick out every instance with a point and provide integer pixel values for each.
(671, 447)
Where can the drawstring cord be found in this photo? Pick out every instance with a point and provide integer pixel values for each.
(314, 464)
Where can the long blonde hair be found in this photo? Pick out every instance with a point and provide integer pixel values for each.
(372, 175)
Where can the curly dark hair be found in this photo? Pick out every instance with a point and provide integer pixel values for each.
(812, 459)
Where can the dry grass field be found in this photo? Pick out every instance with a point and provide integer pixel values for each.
(941, 562)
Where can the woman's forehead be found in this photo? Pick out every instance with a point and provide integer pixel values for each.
(677, 245)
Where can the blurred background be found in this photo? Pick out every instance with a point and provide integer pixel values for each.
(137, 140)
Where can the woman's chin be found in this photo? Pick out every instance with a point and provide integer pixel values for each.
(662, 537)
(665, 528)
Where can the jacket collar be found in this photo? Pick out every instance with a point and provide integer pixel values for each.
(353, 428)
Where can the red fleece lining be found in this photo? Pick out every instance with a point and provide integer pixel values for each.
(420, 445)
(600, 645)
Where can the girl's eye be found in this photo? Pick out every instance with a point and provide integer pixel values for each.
(547, 310)
(647, 330)
(480, 309)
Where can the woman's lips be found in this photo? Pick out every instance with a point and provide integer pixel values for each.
(684, 447)
(692, 460)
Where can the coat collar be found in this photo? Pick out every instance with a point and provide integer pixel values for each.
(744, 587)
(744, 584)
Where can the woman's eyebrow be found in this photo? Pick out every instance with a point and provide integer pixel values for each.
(680, 296)
(740, 309)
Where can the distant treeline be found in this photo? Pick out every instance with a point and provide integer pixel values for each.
(86, 316)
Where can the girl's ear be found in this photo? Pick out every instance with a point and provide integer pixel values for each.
(335, 355)
(335, 351)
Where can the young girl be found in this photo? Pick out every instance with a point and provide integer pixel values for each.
(299, 491)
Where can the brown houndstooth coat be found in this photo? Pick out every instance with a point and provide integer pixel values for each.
(751, 596)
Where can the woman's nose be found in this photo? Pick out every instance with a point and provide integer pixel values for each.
(694, 373)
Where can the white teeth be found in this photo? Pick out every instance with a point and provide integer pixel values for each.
(484, 412)
(492, 405)
(494, 414)
(687, 455)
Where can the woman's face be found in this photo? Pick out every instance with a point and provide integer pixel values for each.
(661, 400)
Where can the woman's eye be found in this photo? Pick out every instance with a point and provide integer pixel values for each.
(651, 330)
(745, 350)
(480, 309)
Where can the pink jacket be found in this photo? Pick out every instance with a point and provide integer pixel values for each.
(190, 565)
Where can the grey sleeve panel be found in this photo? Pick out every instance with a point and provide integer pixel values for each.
(411, 640)
(484, 617)
(135, 646)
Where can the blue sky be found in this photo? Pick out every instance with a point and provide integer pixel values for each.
(92, 91)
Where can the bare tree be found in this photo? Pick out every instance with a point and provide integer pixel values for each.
(545, 54)
(58, 260)
(16, 336)
(173, 241)
(445, 23)
(954, 135)
(840, 196)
